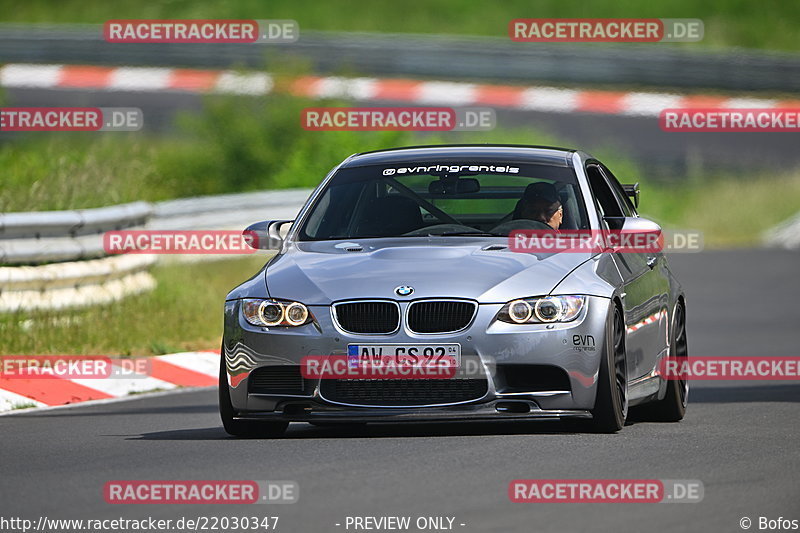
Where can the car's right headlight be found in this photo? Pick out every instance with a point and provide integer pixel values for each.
(543, 310)
(271, 313)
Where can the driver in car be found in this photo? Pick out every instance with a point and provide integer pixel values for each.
(540, 202)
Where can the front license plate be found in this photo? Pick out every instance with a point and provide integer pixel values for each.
(422, 355)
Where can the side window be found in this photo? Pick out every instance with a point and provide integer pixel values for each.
(622, 198)
(606, 200)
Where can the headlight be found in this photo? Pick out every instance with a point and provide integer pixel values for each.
(519, 311)
(275, 313)
(296, 314)
(542, 310)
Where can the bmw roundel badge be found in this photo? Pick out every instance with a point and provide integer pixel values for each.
(404, 290)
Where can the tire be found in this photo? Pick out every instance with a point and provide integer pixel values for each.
(673, 407)
(611, 404)
(242, 428)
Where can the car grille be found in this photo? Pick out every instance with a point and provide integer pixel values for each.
(402, 392)
(368, 317)
(440, 316)
(277, 379)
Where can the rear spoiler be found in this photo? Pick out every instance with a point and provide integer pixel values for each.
(633, 193)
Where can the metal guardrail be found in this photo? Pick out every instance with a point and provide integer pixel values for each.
(82, 276)
(493, 58)
(56, 258)
(51, 236)
(72, 223)
(48, 236)
(223, 203)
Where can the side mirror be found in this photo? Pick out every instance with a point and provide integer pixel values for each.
(633, 234)
(640, 225)
(633, 193)
(265, 235)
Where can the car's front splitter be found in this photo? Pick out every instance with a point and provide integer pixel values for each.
(312, 411)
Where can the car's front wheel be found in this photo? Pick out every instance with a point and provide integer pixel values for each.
(611, 404)
(242, 428)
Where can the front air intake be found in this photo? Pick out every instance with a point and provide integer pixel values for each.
(277, 379)
(403, 392)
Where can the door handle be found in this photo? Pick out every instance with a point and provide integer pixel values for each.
(651, 261)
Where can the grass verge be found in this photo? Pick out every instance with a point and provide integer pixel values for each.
(731, 211)
(769, 24)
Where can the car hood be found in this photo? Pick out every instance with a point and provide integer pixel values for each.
(318, 273)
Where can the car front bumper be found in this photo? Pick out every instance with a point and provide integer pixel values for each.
(575, 348)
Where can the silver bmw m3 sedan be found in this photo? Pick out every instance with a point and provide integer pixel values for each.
(401, 293)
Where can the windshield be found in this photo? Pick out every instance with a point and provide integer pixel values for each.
(445, 199)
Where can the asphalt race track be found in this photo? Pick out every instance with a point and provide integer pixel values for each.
(739, 439)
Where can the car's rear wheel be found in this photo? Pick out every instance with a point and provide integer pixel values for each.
(611, 404)
(242, 428)
(673, 407)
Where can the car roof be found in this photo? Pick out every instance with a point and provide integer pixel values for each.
(503, 153)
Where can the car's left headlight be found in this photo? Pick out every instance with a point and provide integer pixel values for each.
(271, 313)
(542, 310)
